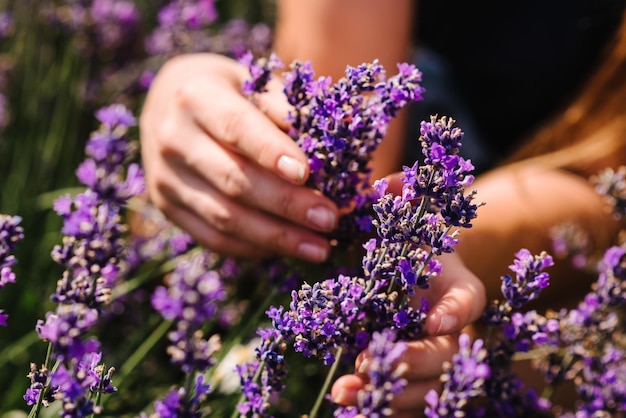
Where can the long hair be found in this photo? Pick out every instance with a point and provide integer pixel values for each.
(590, 134)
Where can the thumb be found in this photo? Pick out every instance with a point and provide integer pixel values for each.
(457, 297)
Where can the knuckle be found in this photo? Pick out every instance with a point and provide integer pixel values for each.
(221, 220)
(231, 125)
(286, 204)
(235, 183)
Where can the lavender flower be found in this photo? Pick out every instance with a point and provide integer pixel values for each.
(180, 404)
(323, 317)
(39, 382)
(385, 377)
(92, 254)
(115, 21)
(529, 280)
(10, 234)
(191, 299)
(463, 379)
(263, 377)
(182, 28)
(339, 126)
(612, 185)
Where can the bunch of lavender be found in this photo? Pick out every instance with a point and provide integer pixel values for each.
(585, 345)
(339, 125)
(186, 26)
(336, 318)
(571, 240)
(10, 234)
(384, 378)
(194, 290)
(95, 25)
(182, 27)
(612, 185)
(92, 254)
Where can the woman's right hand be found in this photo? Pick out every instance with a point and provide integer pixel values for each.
(223, 169)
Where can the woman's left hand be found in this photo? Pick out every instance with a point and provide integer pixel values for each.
(458, 299)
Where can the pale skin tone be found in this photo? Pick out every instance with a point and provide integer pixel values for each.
(225, 171)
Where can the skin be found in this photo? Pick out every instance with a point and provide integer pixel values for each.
(225, 171)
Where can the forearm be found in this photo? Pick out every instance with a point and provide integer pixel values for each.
(333, 34)
(521, 207)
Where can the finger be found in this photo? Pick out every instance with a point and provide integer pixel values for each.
(346, 388)
(411, 399)
(274, 104)
(458, 297)
(240, 125)
(421, 360)
(242, 222)
(250, 184)
(211, 238)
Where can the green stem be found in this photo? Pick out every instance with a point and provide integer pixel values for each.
(255, 378)
(141, 352)
(34, 412)
(326, 385)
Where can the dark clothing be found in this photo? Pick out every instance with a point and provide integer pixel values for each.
(513, 64)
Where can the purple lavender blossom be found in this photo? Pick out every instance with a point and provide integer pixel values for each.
(385, 377)
(180, 404)
(270, 361)
(107, 149)
(39, 382)
(190, 299)
(114, 22)
(463, 379)
(339, 125)
(612, 185)
(182, 26)
(260, 72)
(322, 317)
(529, 278)
(92, 254)
(11, 233)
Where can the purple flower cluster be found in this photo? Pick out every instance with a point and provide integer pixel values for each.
(529, 280)
(385, 378)
(263, 377)
(11, 233)
(584, 345)
(182, 27)
(463, 379)
(115, 21)
(612, 184)
(94, 247)
(182, 402)
(92, 254)
(343, 314)
(106, 24)
(339, 125)
(190, 299)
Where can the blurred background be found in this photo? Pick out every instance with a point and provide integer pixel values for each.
(60, 60)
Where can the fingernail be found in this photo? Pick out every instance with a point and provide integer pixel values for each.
(291, 168)
(364, 366)
(321, 218)
(446, 324)
(346, 397)
(312, 252)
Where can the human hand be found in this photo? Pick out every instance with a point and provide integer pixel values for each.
(457, 299)
(223, 170)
